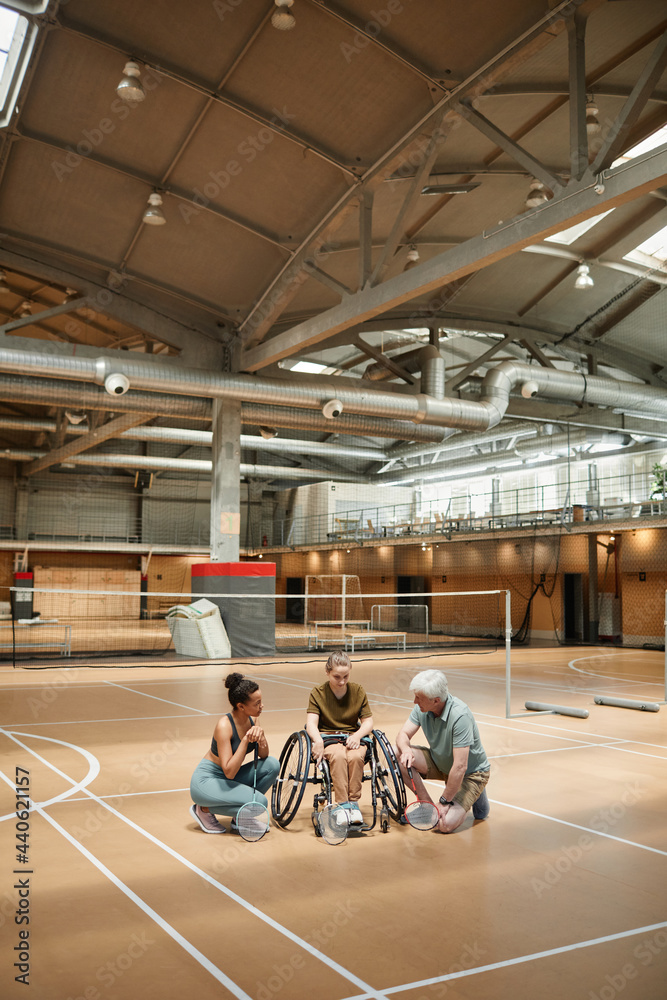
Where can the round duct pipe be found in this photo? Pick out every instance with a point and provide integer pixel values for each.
(497, 385)
(157, 462)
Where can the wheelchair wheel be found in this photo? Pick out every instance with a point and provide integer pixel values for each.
(390, 787)
(290, 784)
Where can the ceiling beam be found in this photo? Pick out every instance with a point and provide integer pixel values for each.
(576, 33)
(66, 307)
(579, 201)
(617, 135)
(537, 169)
(112, 429)
(109, 300)
(286, 284)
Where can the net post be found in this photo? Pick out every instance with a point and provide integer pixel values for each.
(508, 643)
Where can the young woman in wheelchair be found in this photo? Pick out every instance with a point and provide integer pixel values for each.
(337, 720)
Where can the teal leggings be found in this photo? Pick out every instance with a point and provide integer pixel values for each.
(225, 796)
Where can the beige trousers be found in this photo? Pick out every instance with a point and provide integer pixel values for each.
(347, 768)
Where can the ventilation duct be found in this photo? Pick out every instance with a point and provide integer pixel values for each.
(186, 435)
(56, 392)
(180, 465)
(449, 412)
(432, 366)
(560, 444)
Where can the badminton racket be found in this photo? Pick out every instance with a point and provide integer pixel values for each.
(421, 814)
(333, 824)
(252, 819)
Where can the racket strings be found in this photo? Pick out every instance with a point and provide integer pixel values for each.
(333, 824)
(252, 821)
(422, 815)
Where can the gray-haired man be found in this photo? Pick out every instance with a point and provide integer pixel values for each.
(454, 755)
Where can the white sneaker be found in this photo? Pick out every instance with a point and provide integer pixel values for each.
(354, 815)
(341, 814)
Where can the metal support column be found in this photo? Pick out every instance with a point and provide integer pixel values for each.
(225, 480)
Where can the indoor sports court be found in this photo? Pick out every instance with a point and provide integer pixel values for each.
(558, 894)
(332, 325)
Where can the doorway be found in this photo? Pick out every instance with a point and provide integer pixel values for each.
(573, 607)
(295, 604)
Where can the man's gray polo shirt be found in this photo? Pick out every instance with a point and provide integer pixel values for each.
(456, 727)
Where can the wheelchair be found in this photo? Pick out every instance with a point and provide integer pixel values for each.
(380, 769)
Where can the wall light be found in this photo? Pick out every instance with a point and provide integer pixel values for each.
(25, 310)
(4, 287)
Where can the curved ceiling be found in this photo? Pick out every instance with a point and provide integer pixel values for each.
(340, 193)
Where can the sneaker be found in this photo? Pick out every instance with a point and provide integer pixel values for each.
(341, 814)
(354, 815)
(481, 807)
(206, 820)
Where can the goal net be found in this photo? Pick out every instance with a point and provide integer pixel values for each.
(335, 598)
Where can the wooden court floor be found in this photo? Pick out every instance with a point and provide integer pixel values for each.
(559, 895)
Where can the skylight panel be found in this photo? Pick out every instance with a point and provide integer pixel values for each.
(309, 366)
(568, 236)
(17, 39)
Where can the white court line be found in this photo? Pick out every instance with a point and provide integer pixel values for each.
(146, 718)
(300, 942)
(93, 767)
(193, 952)
(576, 826)
(130, 795)
(598, 676)
(606, 736)
(529, 732)
(653, 756)
(533, 753)
(520, 960)
(144, 694)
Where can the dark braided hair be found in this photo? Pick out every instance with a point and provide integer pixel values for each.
(239, 688)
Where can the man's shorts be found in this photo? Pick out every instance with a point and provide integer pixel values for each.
(472, 785)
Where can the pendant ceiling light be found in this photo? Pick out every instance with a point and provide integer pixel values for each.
(130, 88)
(282, 18)
(154, 216)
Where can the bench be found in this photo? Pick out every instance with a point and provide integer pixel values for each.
(370, 638)
(315, 641)
(61, 641)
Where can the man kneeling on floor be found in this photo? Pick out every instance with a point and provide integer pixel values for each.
(455, 753)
